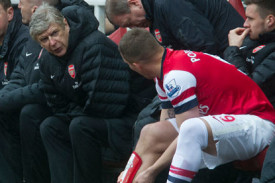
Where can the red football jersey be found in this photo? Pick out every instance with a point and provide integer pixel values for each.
(190, 79)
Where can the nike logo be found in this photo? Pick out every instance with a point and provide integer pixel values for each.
(52, 76)
(28, 54)
(242, 47)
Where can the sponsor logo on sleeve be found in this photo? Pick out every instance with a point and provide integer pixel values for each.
(172, 88)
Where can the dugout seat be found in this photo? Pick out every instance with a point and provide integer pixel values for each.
(117, 34)
(238, 5)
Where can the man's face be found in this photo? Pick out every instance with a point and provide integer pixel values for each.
(134, 19)
(26, 7)
(254, 22)
(55, 39)
(5, 17)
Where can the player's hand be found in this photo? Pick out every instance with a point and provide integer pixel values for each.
(146, 176)
(237, 35)
(119, 179)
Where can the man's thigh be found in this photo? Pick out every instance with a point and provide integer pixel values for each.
(238, 137)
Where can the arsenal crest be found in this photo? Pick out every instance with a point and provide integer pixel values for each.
(258, 48)
(71, 71)
(5, 68)
(158, 36)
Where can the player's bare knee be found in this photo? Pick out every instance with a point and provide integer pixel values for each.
(150, 132)
(156, 136)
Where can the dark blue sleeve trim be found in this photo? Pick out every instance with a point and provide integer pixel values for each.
(166, 105)
(189, 105)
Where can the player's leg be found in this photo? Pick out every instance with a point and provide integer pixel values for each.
(236, 137)
(195, 136)
(154, 140)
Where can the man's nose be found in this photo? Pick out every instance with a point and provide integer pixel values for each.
(52, 41)
(245, 24)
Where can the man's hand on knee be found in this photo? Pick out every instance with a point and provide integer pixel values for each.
(147, 176)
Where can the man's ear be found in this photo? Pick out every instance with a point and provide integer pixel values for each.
(65, 21)
(10, 13)
(136, 65)
(34, 9)
(270, 21)
(134, 2)
(67, 26)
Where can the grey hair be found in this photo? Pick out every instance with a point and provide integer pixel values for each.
(39, 2)
(51, 2)
(43, 17)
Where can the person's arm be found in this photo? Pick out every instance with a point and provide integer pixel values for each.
(21, 96)
(17, 76)
(17, 92)
(167, 114)
(105, 79)
(58, 102)
(191, 113)
(189, 27)
(148, 176)
(7, 96)
(234, 53)
(236, 36)
(265, 71)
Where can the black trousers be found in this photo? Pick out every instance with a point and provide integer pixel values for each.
(10, 149)
(34, 156)
(74, 148)
(268, 171)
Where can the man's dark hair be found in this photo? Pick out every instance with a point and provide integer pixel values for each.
(266, 7)
(115, 8)
(5, 3)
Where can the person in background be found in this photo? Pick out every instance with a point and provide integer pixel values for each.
(251, 48)
(221, 115)
(194, 25)
(13, 36)
(22, 95)
(95, 98)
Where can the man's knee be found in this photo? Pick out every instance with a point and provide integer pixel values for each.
(150, 132)
(26, 110)
(194, 130)
(34, 113)
(75, 127)
(158, 135)
(27, 115)
(47, 128)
